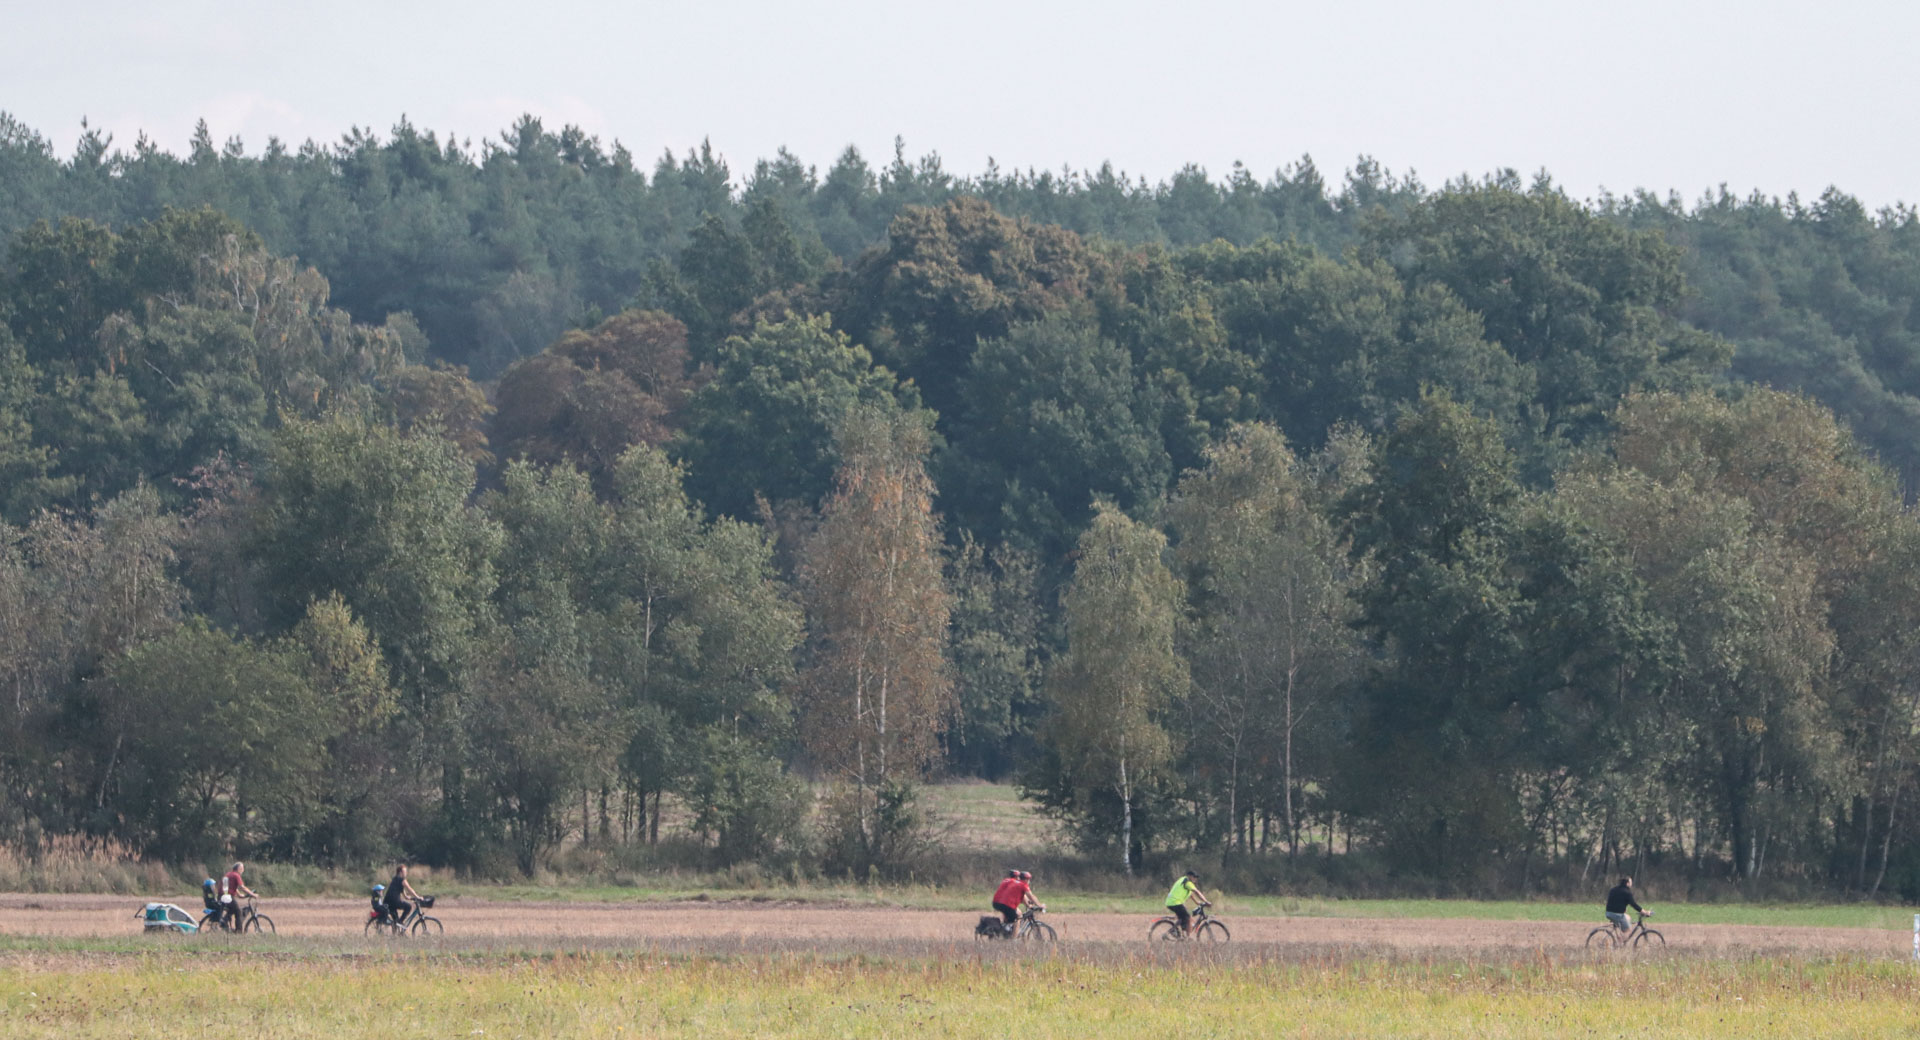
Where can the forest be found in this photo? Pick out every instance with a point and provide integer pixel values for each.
(399, 496)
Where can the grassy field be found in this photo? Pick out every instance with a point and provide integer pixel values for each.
(511, 982)
(989, 816)
(292, 993)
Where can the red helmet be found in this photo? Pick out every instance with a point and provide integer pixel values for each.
(1026, 875)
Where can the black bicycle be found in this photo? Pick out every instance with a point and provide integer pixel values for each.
(1027, 926)
(1205, 928)
(245, 919)
(1608, 937)
(1031, 927)
(416, 922)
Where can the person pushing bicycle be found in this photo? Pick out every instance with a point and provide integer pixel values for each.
(1619, 897)
(1186, 889)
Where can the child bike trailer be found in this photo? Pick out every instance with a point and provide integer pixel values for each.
(165, 917)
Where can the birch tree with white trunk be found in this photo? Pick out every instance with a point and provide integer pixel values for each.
(1121, 673)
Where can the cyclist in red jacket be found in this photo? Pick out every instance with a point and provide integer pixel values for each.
(232, 887)
(1012, 895)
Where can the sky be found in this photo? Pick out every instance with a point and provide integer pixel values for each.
(1682, 95)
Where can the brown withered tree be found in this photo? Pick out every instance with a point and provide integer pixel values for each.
(878, 690)
(595, 393)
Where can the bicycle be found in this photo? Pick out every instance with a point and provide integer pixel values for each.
(245, 919)
(1611, 938)
(1029, 926)
(1026, 926)
(415, 923)
(1205, 928)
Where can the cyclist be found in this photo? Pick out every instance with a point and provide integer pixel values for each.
(1186, 889)
(233, 886)
(1033, 899)
(1618, 899)
(380, 902)
(398, 891)
(210, 898)
(1008, 898)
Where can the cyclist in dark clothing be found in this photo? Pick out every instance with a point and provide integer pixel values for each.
(397, 892)
(1618, 899)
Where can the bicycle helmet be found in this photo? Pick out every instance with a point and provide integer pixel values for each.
(1026, 875)
(377, 889)
(207, 885)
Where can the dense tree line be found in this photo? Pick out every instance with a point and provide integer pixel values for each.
(497, 247)
(1452, 527)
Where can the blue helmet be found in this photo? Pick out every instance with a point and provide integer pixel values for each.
(379, 888)
(208, 883)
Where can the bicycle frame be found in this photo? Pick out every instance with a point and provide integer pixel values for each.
(414, 913)
(235, 919)
(1195, 918)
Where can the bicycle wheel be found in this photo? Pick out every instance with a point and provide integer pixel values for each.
(1650, 939)
(260, 923)
(1039, 932)
(1165, 929)
(208, 926)
(427, 927)
(375, 926)
(1601, 938)
(1213, 931)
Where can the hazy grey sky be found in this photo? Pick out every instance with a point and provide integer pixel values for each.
(1683, 94)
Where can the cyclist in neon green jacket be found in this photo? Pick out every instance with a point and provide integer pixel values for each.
(1185, 890)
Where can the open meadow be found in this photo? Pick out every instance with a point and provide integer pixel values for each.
(75, 966)
(671, 954)
(732, 922)
(292, 988)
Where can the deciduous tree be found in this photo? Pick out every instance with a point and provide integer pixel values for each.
(1269, 637)
(878, 690)
(1121, 672)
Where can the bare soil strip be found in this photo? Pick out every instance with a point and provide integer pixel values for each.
(96, 916)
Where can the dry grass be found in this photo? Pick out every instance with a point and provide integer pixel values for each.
(69, 865)
(922, 991)
(982, 817)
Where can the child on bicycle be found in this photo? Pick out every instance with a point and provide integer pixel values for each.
(1185, 889)
(1618, 899)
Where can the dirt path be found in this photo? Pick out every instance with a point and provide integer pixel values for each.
(107, 916)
